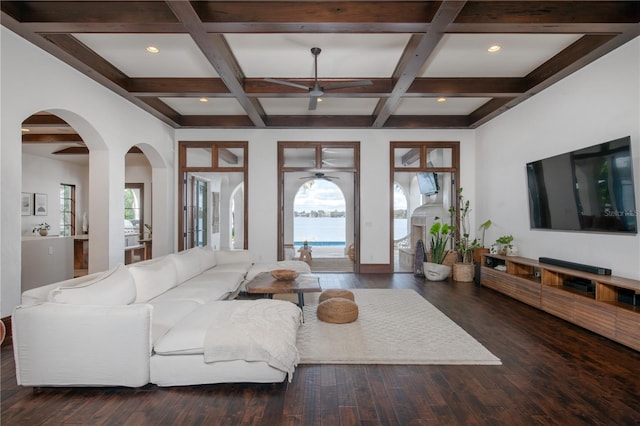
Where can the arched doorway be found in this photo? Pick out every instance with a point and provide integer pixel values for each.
(319, 220)
(400, 222)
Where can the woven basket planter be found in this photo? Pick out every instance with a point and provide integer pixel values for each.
(463, 272)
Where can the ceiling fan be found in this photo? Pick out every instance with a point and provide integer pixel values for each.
(320, 175)
(316, 90)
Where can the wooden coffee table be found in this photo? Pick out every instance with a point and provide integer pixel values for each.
(266, 285)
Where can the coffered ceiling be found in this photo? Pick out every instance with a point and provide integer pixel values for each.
(427, 61)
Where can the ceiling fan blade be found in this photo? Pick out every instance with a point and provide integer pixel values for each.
(313, 103)
(287, 83)
(348, 84)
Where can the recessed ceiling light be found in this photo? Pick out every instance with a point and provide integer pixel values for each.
(25, 130)
(153, 49)
(442, 100)
(494, 48)
(204, 100)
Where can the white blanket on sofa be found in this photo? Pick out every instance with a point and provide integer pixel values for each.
(263, 330)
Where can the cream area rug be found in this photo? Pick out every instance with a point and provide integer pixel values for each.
(393, 327)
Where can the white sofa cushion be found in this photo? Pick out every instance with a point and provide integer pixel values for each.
(153, 278)
(203, 288)
(116, 287)
(187, 263)
(233, 256)
(187, 336)
(166, 314)
(207, 257)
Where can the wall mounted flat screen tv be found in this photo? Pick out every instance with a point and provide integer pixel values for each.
(589, 190)
(428, 183)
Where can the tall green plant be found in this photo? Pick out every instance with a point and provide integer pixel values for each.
(463, 243)
(440, 234)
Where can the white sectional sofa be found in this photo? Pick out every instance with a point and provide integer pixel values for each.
(166, 321)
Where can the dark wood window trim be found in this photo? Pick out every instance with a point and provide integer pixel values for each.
(318, 146)
(422, 148)
(219, 149)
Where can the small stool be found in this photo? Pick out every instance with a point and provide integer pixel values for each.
(337, 310)
(305, 255)
(336, 292)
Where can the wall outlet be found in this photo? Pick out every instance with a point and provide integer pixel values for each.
(50, 251)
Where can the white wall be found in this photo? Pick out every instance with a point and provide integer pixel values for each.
(34, 81)
(375, 204)
(599, 103)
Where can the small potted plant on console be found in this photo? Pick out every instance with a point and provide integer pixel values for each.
(42, 228)
(504, 244)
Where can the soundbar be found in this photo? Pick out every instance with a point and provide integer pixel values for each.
(578, 266)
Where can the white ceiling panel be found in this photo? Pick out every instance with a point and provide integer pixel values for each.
(466, 55)
(343, 55)
(179, 56)
(214, 106)
(328, 106)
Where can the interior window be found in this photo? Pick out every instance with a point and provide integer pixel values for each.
(67, 210)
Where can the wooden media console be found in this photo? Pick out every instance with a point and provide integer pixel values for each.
(607, 306)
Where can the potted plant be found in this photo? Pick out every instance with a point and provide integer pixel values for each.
(504, 243)
(440, 233)
(463, 269)
(477, 253)
(42, 228)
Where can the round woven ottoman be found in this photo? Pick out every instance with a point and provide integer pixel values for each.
(337, 310)
(336, 292)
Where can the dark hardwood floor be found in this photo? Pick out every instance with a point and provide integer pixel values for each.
(553, 373)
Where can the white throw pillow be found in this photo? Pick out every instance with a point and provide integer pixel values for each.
(233, 256)
(187, 264)
(153, 278)
(116, 287)
(207, 258)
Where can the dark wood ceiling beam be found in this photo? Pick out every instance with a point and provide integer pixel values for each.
(83, 150)
(492, 109)
(427, 122)
(162, 108)
(549, 12)
(318, 121)
(178, 87)
(535, 28)
(481, 87)
(216, 121)
(50, 138)
(304, 12)
(258, 86)
(414, 59)
(217, 52)
(567, 61)
(132, 12)
(381, 87)
(92, 62)
(44, 120)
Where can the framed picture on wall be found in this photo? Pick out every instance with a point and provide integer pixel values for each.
(40, 204)
(26, 204)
